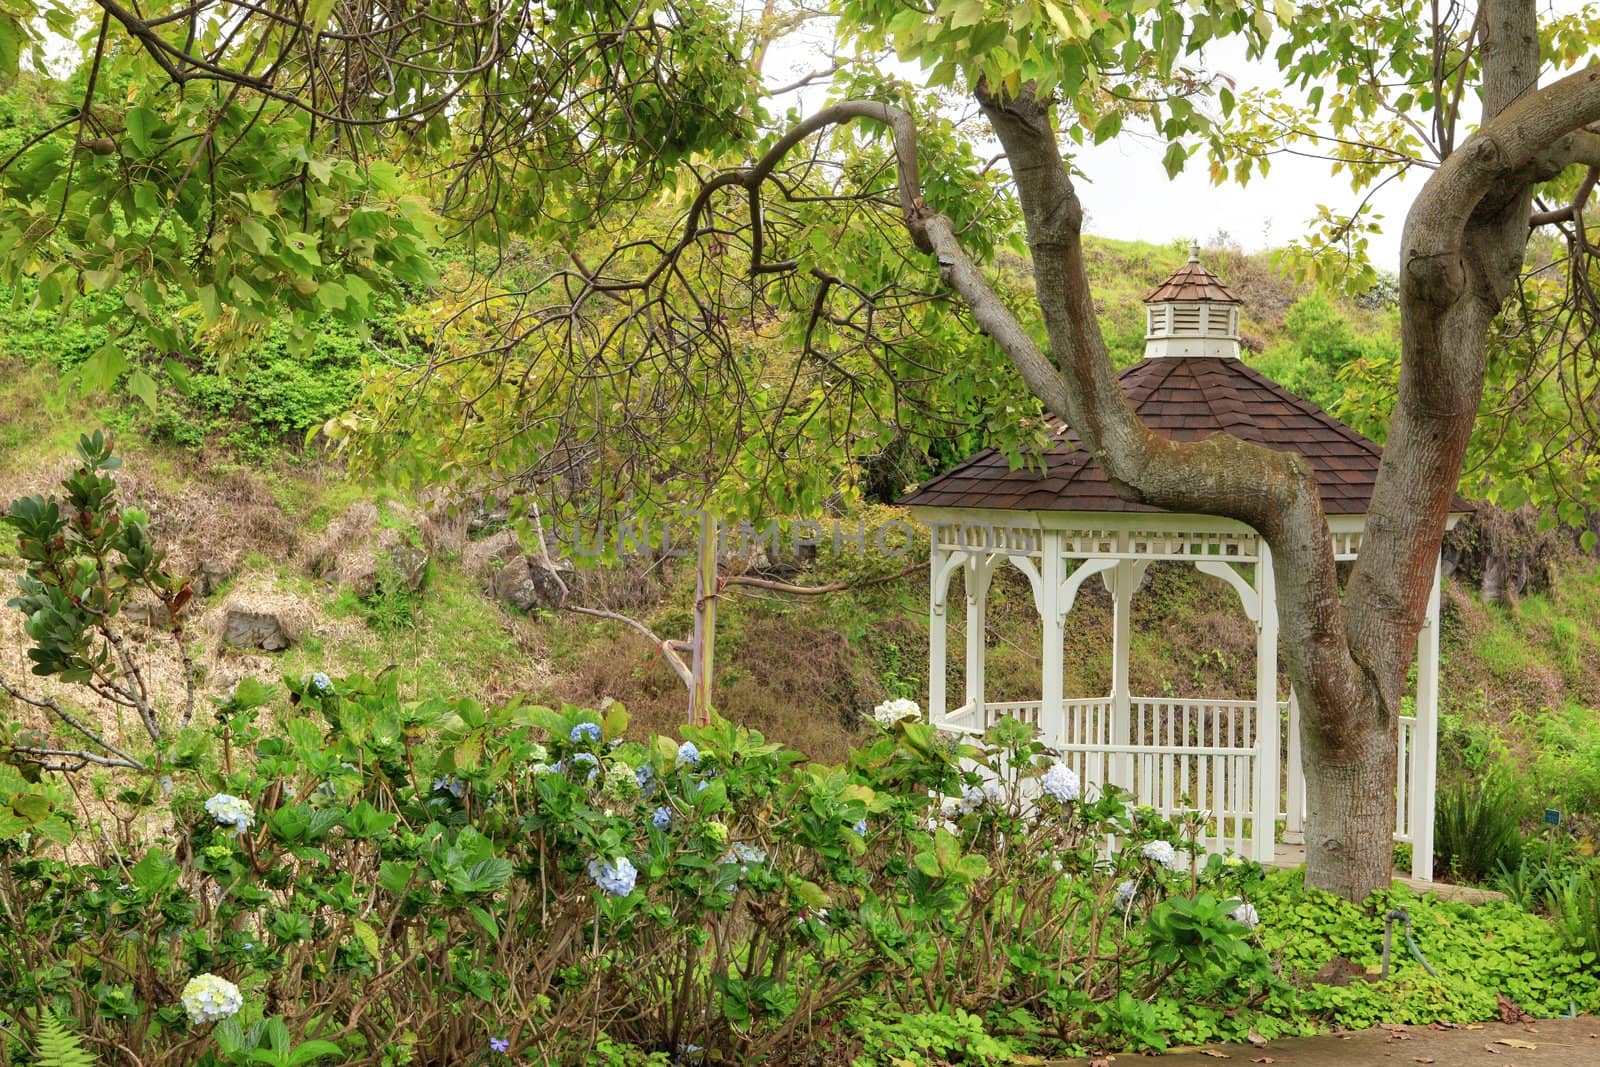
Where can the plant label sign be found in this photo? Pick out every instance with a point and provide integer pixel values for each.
(1552, 816)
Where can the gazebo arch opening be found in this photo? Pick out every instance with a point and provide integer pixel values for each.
(1235, 759)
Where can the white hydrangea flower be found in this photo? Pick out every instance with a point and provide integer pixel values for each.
(1246, 915)
(230, 810)
(994, 792)
(1061, 782)
(1161, 852)
(209, 999)
(892, 711)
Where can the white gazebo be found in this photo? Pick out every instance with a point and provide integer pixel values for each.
(1238, 760)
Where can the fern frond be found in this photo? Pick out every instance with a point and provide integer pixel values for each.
(59, 1046)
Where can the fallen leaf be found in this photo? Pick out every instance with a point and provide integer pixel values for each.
(1512, 1042)
(1474, 1026)
(1103, 1061)
(1214, 1054)
(1256, 1039)
(1491, 1049)
(1263, 1059)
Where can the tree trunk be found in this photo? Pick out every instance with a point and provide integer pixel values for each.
(1350, 808)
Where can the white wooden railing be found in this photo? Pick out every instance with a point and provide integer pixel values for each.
(1184, 756)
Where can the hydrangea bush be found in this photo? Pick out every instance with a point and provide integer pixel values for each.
(378, 881)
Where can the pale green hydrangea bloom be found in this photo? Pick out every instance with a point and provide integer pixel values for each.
(209, 999)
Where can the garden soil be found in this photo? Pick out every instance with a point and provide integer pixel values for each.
(1548, 1043)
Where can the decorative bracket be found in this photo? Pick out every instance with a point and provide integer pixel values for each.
(1230, 574)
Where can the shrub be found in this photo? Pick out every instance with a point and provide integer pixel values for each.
(406, 882)
(1574, 906)
(1477, 827)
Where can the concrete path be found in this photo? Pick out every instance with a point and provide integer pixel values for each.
(1550, 1043)
(1289, 856)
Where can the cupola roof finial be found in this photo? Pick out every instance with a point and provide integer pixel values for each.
(1194, 251)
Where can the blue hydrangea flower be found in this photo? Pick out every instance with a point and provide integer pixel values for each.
(746, 856)
(589, 759)
(688, 754)
(450, 784)
(585, 731)
(646, 777)
(1061, 782)
(499, 1044)
(662, 819)
(321, 683)
(615, 876)
(861, 828)
(748, 853)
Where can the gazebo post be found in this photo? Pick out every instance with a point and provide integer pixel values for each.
(1425, 739)
(937, 634)
(1124, 578)
(1052, 717)
(1264, 822)
(1294, 804)
(975, 575)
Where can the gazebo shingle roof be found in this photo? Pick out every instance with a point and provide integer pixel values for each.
(1191, 282)
(1184, 399)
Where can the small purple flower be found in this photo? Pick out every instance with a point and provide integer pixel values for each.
(499, 1044)
(861, 828)
(585, 731)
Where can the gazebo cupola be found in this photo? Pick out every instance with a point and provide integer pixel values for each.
(1191, 314)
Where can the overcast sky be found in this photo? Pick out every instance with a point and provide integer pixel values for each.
(1126, 191)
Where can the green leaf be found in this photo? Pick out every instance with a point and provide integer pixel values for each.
(1108, 126)
(11, 38)
(368, 938)
(101, 370)
(1175, 158)
(307, 1051)
(141, 385)
(58, 1046)
(140, 123)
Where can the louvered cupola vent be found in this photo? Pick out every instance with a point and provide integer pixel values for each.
(1192, 314)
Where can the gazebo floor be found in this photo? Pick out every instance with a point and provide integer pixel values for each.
(1290, 856)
